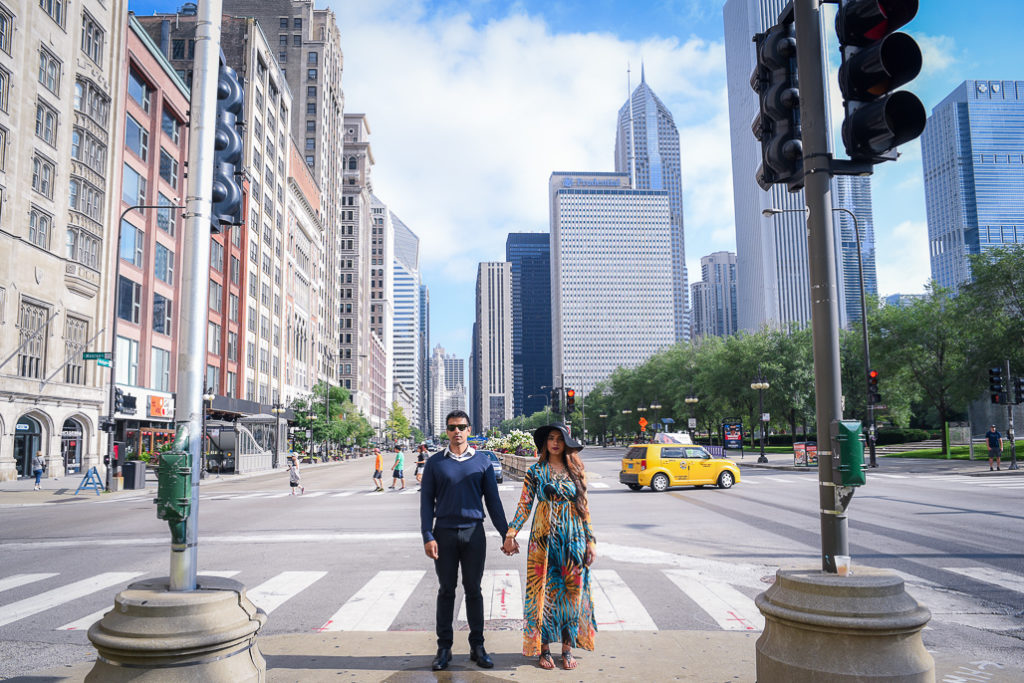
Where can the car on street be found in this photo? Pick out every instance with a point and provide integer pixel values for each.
(661, 465)
(495, 464)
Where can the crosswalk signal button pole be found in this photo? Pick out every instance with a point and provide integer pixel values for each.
(876, 61)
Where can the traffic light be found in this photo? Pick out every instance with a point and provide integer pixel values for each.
(777, 126)
(118, 400)
(876, 61)
(996, 386)
(227, 193)
(570, 400)
(1019, 389)
(554, 400)
(874, 397)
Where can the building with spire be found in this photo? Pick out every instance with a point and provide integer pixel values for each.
(653, 163)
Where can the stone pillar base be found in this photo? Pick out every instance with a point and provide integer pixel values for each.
(155, 634)
(842, 629)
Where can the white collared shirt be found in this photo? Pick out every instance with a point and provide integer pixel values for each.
(469, 453)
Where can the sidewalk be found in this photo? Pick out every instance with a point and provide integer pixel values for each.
(404, 657)
(974, 468)
(19, 492)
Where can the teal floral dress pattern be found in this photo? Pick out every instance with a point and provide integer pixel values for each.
(558, 606)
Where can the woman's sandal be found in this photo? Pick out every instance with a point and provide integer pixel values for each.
(546, 661)
(568, 661)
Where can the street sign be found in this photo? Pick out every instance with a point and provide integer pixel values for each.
(104, 362)
(693, 423)
(765, 417)
(642, 422)
(95, 355)
(879, 406)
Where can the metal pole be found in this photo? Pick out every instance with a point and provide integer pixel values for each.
(113, 332)
(196, 274)
(760, 417)
(1009, 422)
(821, 259)
(864, 330)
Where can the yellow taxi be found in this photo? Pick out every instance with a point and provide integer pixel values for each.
(661, 465)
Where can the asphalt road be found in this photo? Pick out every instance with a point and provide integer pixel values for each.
(687, 559)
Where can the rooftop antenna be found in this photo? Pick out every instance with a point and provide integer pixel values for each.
(632, 130)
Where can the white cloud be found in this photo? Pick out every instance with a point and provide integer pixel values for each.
(938, 53)
(902, 263)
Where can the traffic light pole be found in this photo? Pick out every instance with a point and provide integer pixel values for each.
(196, 275)
(1009, 423)
(822, 261)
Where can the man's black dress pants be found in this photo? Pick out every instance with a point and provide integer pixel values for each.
(463, 548)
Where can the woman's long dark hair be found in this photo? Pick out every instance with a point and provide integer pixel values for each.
(574, 466)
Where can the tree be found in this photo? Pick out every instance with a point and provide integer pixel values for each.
(397, 423)
(993, 304)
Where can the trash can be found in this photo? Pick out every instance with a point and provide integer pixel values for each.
(134, 473)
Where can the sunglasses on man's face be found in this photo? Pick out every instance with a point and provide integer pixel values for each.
(462, 427)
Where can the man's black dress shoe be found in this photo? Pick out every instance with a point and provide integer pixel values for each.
(442, 660)
(478, 654)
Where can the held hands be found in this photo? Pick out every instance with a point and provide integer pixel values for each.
(430, 548)
(510, 547)
(589, 555)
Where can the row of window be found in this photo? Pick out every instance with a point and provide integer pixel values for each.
(33, 320)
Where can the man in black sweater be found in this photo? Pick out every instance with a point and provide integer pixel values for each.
(455, 481)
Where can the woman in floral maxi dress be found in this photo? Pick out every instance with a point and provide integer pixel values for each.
(558, 606)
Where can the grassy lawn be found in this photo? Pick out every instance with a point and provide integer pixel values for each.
(956, 453)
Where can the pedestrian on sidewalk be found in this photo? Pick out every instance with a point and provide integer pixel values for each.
(294, 478)
(995, 446)
(457, 482)
(421, 462)
(38, 465)
(378, 470)
(399, 469)
(558, 606)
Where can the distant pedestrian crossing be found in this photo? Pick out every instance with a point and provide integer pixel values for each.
(384, 599)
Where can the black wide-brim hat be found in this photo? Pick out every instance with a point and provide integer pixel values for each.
(540, 436)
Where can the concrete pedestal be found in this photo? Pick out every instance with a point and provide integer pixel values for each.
(153, 634)
(842, 629)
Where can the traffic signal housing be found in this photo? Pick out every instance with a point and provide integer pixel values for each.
(996, 387)
(874, 398)
(1019, 389)
(226, 198)
(554, 401)
(876, 61)
(570, 400)
(777, 125)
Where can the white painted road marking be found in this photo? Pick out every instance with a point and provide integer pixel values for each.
(732, 610)
(376, 604)
(273, 593)
(502, 593)
(616, 607)
(342, 494)
(22, 579)
(1003, 579)
(58, 596)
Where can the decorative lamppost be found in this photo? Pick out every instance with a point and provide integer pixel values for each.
(760, 385)
(604, 429)
(277, 410)
(691, 400)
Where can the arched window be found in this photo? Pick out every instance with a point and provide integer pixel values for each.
(351, 163)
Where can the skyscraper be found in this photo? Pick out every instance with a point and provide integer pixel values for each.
(714, 297)
(492, 345)
(973, 175)
(426, 398)
(406, 338)
(529, 254)
(611, 275)
(773, 283)
(653, 163)
(447, 390)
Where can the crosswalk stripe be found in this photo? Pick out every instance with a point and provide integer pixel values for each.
(887, 476)
(251, 495)
(314, 494)
(600, 485)
(85, 622)
(616, 607)
(733, 610)
(280, 495)
(342, 494)
(52, 598)
(407, 492)
(503, 595)
(273, 592)
(376, 604)
(997, 577)
(506, 487)
(1004, 484)
(22, 579)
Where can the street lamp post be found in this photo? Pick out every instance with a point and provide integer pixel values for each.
(277, 410)
(691, 400)
(208, 397)
(113, 330)
(870, 409)
(604, 428)
(760, 385)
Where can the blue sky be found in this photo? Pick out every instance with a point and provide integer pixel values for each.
(472, 105)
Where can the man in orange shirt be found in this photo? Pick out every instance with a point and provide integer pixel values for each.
(378, 470)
